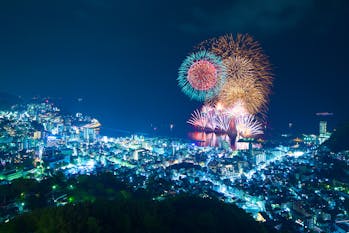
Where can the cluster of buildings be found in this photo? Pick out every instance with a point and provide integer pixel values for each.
(285, 185)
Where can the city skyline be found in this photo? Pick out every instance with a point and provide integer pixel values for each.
(288, 183)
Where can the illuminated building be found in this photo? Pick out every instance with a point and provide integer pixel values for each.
(90, 131)
(323, 134)
(323, 127)
(260, 158)
(89, 134)
(135, 154)
(37, 135)
(310, 139)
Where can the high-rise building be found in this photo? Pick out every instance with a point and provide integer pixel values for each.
(89, 134)
(135, 154)
(260, 158)
(91, 130)
(323, 127)
(323, 134)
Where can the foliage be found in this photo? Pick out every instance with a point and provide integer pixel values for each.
(339, 139)
(180, 214)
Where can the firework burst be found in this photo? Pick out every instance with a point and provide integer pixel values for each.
(242, 56)
(247, 126)
(239, 67)
(201, 75)
(233, 77)
(198, 120)
(236, 110)
(244, 93)
(210, 119)
(223, 122)
(247, 72)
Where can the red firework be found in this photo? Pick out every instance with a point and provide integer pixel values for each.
(202, 75)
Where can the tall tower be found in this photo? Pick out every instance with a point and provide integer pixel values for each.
(323, 128)
(323, 134)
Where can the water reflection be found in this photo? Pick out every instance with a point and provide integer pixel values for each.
(214, 139)
(211, 139)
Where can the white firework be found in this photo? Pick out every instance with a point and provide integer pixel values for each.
(206, 109)
(237, 110)
(223, 122)
(208, 119)
(211, 120)
(248, 126)
(198, 119)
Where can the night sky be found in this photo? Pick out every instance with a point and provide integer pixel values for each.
(122, 58)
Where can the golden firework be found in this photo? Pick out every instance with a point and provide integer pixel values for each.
(243, 56)
(245, 90)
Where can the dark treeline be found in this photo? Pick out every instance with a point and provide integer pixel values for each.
(102, 204)
(339, 140)
(179, 214)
